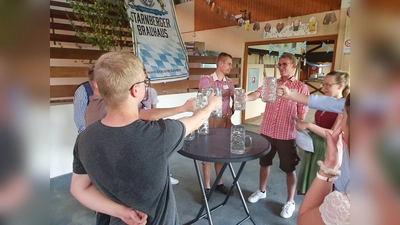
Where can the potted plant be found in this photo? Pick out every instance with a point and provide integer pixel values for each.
(102, 23)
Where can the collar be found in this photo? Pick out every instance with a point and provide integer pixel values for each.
(95, 97)
(215, 77)
(291, 79)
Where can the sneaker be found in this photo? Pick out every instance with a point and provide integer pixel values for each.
(257, 196)
(224, 190)
(288, 209)
(174, 181)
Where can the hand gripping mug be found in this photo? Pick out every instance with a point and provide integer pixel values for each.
(217, 113)
(240, 99)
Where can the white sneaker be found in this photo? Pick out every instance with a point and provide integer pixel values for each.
(288, 209)
(174, 181)
(257, 196)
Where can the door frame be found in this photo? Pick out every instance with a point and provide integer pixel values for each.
(281, 41)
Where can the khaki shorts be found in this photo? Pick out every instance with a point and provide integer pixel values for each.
(287, 152)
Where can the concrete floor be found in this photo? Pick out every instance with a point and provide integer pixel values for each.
(66, 210)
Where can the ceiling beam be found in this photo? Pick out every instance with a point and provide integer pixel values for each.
(266, 52)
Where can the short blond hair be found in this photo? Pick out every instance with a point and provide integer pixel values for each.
(290, 56)
(115, 73)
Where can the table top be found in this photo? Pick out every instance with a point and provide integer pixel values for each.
(215, 147)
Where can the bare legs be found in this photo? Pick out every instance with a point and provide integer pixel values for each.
(264, 174)
(207, 173)
(291, 185)
(290, 181)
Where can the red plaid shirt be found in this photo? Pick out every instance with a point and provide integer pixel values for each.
(277, 121)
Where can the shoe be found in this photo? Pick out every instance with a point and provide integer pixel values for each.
(207, 190)
(288, 209)
(257, 196)
(174, 181)
(224, 190)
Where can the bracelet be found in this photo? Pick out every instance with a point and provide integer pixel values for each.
(327, 179)
(328, 170)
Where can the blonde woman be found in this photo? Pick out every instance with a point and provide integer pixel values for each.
(336, 85)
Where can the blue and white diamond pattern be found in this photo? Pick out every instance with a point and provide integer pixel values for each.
(163, 62)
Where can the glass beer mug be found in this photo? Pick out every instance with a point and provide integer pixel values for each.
(240, 99)
(238, 139)
(217, 113)
(268, 92)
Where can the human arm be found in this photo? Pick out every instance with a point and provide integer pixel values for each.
(301, 116)
(302, 109)
(253, 95)
(87, 194)
(320, 131)
(158, 113)
(309, 208)
(319, 102)
(80, 105)
(286, 93)
(201, 115)
(154, 99)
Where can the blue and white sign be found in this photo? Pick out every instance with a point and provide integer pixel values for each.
(157, 40)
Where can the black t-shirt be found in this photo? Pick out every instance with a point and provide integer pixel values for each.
(130, 165)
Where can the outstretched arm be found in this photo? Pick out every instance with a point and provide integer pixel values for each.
(319, 102)
(252, 96)
(284, 92)
(309, 208)
(158, 113)
(87, 194)
(201, 115)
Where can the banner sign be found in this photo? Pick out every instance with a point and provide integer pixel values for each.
(157, 40)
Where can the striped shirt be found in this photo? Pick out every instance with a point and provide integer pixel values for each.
(225, 85)
(277, 120)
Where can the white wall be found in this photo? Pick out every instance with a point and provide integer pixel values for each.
(255, 108)
(63, 135)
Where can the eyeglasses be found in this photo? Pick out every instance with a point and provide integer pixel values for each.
(282, 64)
(146, 82)
(327, 85)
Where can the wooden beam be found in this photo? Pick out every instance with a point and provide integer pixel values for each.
(69, 53)
(61, 101)
(210, 59)
(60, 4)
(63, 14)
(208, 71)
(68, 27)
(266, 52)
(66, 71)
(320, 57)
(75, 39)
(182, 84)
(61, 91)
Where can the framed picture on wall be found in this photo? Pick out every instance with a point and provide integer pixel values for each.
(252, 79)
